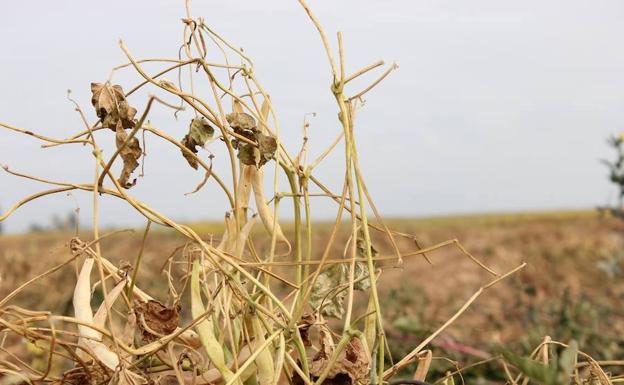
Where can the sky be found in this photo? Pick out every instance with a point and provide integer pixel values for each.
(496, 105)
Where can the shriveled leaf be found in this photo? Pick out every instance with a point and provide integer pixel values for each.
(241, 121)
(361, 276)
(247, 154)
(351, 367)
(307, 320)
(267, 145)
(127, 377)
(190, 144)
(326, 293)
(111, 106)
(200, 131)
(130, 153)
(156, 320)
(79, 376)
(361, 248)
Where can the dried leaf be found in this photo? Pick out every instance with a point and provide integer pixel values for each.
(267, 146)
(247, 154)
(155, 319)
(361, 248)
(111, 106)
(200, 131)
(326, 293)
(241, 121)
(361, 276)
(190, 144)
(307, 320)
(130, 153)
(78, 376)
(351, 367)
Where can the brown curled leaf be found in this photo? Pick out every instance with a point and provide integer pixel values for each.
(248, 154)
(258, 156)
(200, 132)
(130, 153)
(156, 320)
(352, 366)
(241, 121)
(307, 320)
(78, 376)
(188, 142)
(111, 106)
(326, 295)
(267, 145)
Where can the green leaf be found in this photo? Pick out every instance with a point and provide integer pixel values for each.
(567, 362)
(537, 371)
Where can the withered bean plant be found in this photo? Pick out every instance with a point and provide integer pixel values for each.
(243, 330)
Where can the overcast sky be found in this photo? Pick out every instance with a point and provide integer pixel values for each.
(497, 105)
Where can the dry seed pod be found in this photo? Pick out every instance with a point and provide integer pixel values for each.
(237, 108)
(242, 237)
(264, 361)
(127, 337)
(422, 369)
(205, 328)
(265, 212)
(99, 318)
(82, 310)
(244, 188)
(264, 112)
(370, 325)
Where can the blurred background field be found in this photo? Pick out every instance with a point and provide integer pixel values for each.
(571, 289)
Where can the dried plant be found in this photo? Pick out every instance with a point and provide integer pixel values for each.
(243, 329)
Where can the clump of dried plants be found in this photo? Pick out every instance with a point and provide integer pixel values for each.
(226, 321)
